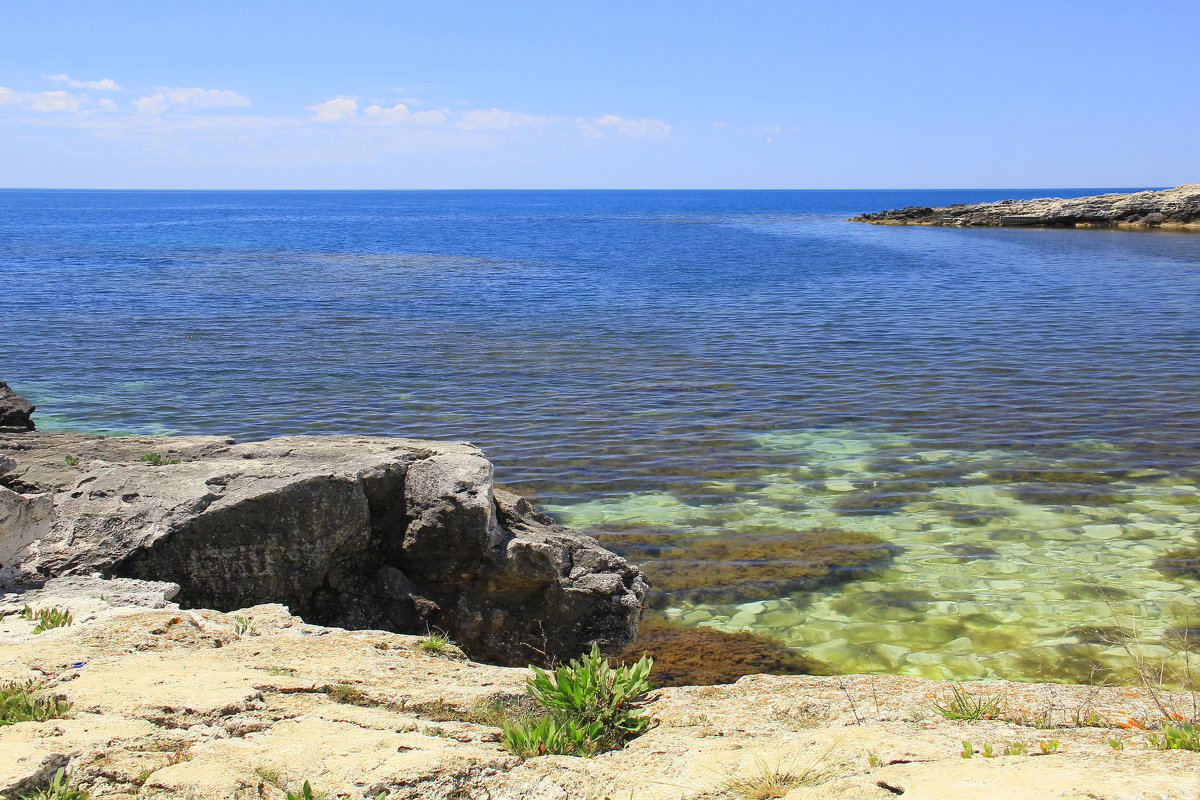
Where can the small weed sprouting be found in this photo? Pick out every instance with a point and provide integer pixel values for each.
(987, 751)
(873, 759)
(244, 626)
(961, 704)
(588, 708)
(158, 460)
(46, 618)
(1015, 749)
(305, 793)
(21, 702)
(345, 693)
(281, 670)
(434, 643)
(1089, 719)
(968, 750)
(59, 789)
(1116, 744)
(1177, 736)
(767, 783)
(1049, 746)
(73, 460)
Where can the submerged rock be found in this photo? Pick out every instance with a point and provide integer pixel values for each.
(14, 411)
(352, 531)
(737, 568)
(695, 656)
(1170, 208)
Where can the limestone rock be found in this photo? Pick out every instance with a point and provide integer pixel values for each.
(353, 531)
(1170, 208)
(196, 704)
(14, 411)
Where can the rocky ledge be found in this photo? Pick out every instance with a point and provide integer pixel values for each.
(1177, 208)
(197, 704)
(353, 531)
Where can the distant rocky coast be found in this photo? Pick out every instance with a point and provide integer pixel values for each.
(1177, 208)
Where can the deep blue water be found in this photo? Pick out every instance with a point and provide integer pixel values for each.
(607, 345)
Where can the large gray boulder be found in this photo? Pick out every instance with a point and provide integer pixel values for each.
(14, 411)
(350, 531)
(1177, 208)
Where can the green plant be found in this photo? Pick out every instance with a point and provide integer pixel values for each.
(1116, 744)
(73, 460)
(305, 793)
(1177, 736)
(1088, 719)
(551, 735)
(767, 783)
(987, 751)
(345, 693)
(20, 702)
(1015, 749)
(434, 643)
(1049, 746)
(590, 707)
(244, 626)
(158, 460)
(968, 750)
(46, 618)
(874, 760)
(281, 670)
(961, 704)
(59, 789)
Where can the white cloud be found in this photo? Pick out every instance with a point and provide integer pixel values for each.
(340, 107)
(401, 114)
(180, 98)
(496, 120)
(633, 127)
(103, 85)
(55, 101)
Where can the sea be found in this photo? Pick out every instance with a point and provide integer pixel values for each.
(957, 453)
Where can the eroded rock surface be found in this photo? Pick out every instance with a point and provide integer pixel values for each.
(202, 705)
(1170, 208)
(353, 531)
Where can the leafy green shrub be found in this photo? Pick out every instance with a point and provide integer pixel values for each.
(47, 618)
(961, 704)
(1177, 736)
(20, 702)
(590, 708)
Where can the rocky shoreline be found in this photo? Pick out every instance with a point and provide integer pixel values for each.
(248, 705)
(1177, 208)
(232, 621)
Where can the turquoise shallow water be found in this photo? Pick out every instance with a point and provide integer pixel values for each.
(1013, 412)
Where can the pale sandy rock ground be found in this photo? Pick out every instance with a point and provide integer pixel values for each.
(171, 703)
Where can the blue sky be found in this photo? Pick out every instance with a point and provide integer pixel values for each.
(364, 94)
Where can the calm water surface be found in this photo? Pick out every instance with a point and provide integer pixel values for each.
(1013, 412)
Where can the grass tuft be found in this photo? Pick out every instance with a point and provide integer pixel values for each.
(961, 704)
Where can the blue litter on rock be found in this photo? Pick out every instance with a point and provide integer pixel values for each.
(78, 664)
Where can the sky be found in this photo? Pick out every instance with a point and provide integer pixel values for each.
(754, 94)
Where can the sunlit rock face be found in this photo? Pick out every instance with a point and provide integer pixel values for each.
(353, 531)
